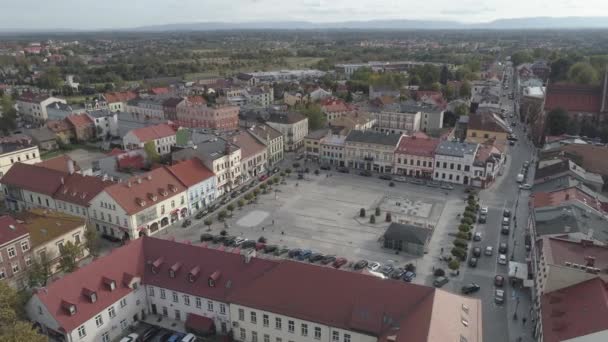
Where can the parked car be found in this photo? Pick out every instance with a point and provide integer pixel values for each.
(343, 169)
(110, 238)
(373, 266)
(218, 239)
(206, 237)
(503, 247)
(360, 264)
(270, 248)
(339, 262)
(259, 246)
(328, 259)
(447, 186)
(525, 186)
(316, 257)
(262, 178)
(502, 259)
(224, 200)
(239, 241)
(189, 338)
(386, 177)
(499, 280)
(294, 253)
(387, 270)
(175, 337)
(409, 276)
(506, 221)
(489, 251)
(186, 223)
(483, 211)
(440, 281)
(473, 262)
(504, 230)
(417, 181)
(234, 194)
(365, 173)
(470, 288)
(482, 218)
(499, 296)
(150, 333)
(477, 236)
(400, 179)
(248, 244)
(325, 167)
(305, 254)
(506, 213)
(229, 241)
(397, 273)
(130, 338)
(433, 184)
(281, 251)
(201, 214)
(477, 252)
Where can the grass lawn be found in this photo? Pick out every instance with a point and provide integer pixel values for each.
(301, 62)
(76, 99)
(51, 154)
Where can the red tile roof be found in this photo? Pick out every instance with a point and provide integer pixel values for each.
(80, 120)
(574, 98)
(334, 105)
(80, 190)
(557, 197)
(119, 97)
(57, 126)
(249, 145)
(558, 250)
(115, 152)
(159, 91)
(34, 178)
(145, 134)
(575, 311)
(121, 262)
(418, 145)
(485, 121)
(592, 158)
(347, 300)
(8, 234)
(59, 163)
(134, 194)
(190, 172)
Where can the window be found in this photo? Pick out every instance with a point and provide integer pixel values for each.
(82, 331)
(2, 274)
(198, 302)
(265, 320)
(111, 312)
(467, 168)
(123, 324)
(266, 338)
(304, 329)
(241, 315)
(165, 311)
(25, 246)
(11, 252)
(317, 333)
(222, 309)
(178, 315)
(278, 323)
(105, 337)
(175, 299)
(335, 336)
(16, 267)
(253, 317)
(209, 306)
(123, 302)
(291, 326)
(254, 336)
(346, 337)
(279, 339)
(28, 261)
(243, 334)
(151, 291)
(187, 300)
(98, 320)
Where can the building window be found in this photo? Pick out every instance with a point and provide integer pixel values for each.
(304, 329)
(278, 323)
(123, 324)
(105, 337)
(291, 326)
(11, 252)
(178, 315)
(241, 315)
(266, 338)
(175, 298)
(335, 336)
(279, 339)
(162, 294)
(151, 291)
(265, 320)
(243, 334)
(28, 261)
(346, 337)
(98, 320)
(25, 246)
(2, 274)
(82, 331)
(123, 302)
(209, 306)
(254, 336)
(16, 267)
(198, 302)
(317, 333)
(222, 309)
(253, 317)
(165, 311)
(187, 300)
(111, 312)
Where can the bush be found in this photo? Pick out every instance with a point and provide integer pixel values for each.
(470, 215)
(377, 211)
(388, 218)
(454, 265)
(262, 239)
(472, 203)
(230, 207)
(470, 208)
(282, 173)
(222, 215)
(466, 220)
(223, 233)
(439, 272)
(460, 243)
(471, 197)
(248, 196)
(464, 227)
(317, 172)
(463, 235)
(288, 170)
(410, 267)
(241, 203)
(256, 192)
(459, 253)
(372, 219)
(362, 212)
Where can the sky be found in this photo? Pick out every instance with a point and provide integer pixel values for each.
(116, 14)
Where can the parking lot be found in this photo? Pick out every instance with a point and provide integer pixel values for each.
(321, 213)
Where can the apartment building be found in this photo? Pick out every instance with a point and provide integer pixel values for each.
(32, 107)
(293, 126)
(398, 119)
(254, 157)
(11, 153)
(15, 252)
(117, 101)
(454, 162)
(273, 140)
(199, 180)
(162, 136)
(220, 117)
(146, 108)
(372, 151)
(415, 156)
(106, 122)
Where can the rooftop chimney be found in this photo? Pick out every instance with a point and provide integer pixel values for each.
(70, 168)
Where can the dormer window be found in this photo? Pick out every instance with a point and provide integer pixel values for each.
(213, 278)
(156, 265)
(90, 294)
(193, 274)
(70, 308)
(110, 283)
(173, 270)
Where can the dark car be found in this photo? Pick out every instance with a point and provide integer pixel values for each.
(503, 247)
(262, 178)
(206, 237)
(316, 257)
(294, 253)
(470, 288)
(248, 244)
(276, 169)
(343, 169)
(149, 333)
(477, 252)
(165, 335)
(473, 262)
(110, 238)
(397, 273)
(499, 280)
(504, 230)
(325, 167)
(440, 281)
(387, 270)
(270, 248)
(386, 177)
(328, 259)
(483, 218)
(229, 241)
(234, 194)
(361, 264)
(224, 200)
(365, 173)
(201, 214)
(305, 254)
(186, 223)
(409, 276)
(506, 213)
(218, 239)
(339, 262)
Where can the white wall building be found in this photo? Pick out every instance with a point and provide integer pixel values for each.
(17, 153)
(162, 136)
(454, 162)
(33, 107)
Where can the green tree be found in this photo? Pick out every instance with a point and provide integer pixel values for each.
(461, 109)
(69, 256)
(51, 79)
(316, 118)
(444, 75)
(39, 271)
(241, 203)
(12, 328)
(582, 73)
(521, 57)
(8, 120)
(150, 150)
(557, 122)
(230, 208)
(465, 89)
(454, 265)
(91, 242)
(208, 222)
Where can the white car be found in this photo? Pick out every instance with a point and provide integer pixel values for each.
(130, 338)
(373, 266)
(502, 259)
(484, 210)
(525, 186)
(400, 179)
(489, 250)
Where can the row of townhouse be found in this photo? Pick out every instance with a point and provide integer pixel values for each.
(216, 292)
(417, 155)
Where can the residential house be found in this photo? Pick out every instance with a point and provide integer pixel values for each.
(293, 126)
(141, 205)
(272, 139)
(489, 161)
(61, 129)
(146, 108)
(11, 153)
(398, 118)
(62, 163)
(319, 94)
(97, 102)
(247, 79)
(260, 96)
(295, 98)
(550, 169)
(61, 110)
(33, 107)
(312, 143)
(170, 107)
(254, 157)
(15, 252)
(332, 148)
(484, 126)
(49, 231)
(415, 156)
(454, 162)
(407, 238)
(117, 101)
(106, 122)
(358, 120)
(163, 136)
(82, 126)
(199, 180)
(371, 151)
(335, 108)
(221, 117)
(432, 98)
(44, 138)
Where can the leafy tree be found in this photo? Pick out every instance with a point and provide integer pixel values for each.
(241, 203)
(208, 222)
(8, 120)
(444, 75)
(557, 121)
(230, 208)
(410, 267)
(316, 118)
(39, 271)
(559, 69)
(51, 79)
(12, 328)
(91, 243)
(462, 109)
(521, 57)
(465, 89)
(582, 73)
(454, 265)
(222, 215)
(439, 272)
(150, 150)
(68, 261)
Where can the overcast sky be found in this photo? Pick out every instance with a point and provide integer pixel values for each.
(94, 14)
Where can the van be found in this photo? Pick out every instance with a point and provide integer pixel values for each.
(189, 338)
(520, 177)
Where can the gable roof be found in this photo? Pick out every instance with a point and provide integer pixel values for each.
(418, 145)
(80, 190)
(190, 172)
(574, 98)
(249, 145)
(149, 133)
(124, 96)
(7, 233)
(34, 178)
(486, 121)
(59, 163)
(80, 120)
